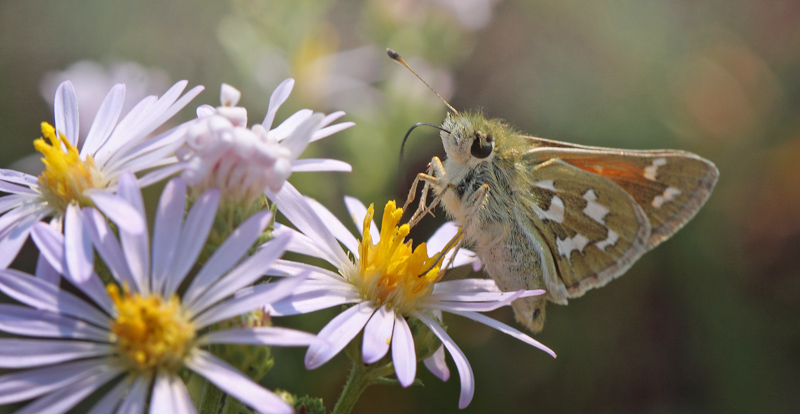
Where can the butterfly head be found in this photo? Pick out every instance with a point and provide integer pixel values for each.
(471, 138)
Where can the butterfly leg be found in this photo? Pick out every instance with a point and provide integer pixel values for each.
(431, 182)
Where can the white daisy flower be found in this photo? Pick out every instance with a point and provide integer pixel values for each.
(386, 282)
(137, 332)
(222, 152)
(73, 167)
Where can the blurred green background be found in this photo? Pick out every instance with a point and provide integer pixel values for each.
(708, 322)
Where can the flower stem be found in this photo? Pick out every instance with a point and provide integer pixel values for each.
(361, 377)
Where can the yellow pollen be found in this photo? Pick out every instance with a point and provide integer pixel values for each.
(150, 332)
(391, 272)
(65, 176)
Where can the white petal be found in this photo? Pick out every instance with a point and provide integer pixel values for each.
(12, 240)
(113, 398)
(433, 302)
(12, 176)
(312, 301)
(108, 248)
(320, 164)
(50, 244)
(263, 335)
(404, 357)
(300, 243)
(78, 246)
(166, 230)
(124, 130)
(248, 301)
(290, 124)
(331, 117)
(45, 271)
(477, 317)
(14, 189)
(170, 395)
(228, 95)
(105, 120)
(242, 275)
(160, 174)
(181, 400)
(119, 211)
(31, 383)
(278, 97)
(231, 381)
(464, 370)
(298, 140)
(136, 399)
(377, 335)
(289, 268)
(15, 218)
(465, 286)
(337, 334)
(26, 353)
(155, 152)
(228, 254)
(14, 201)
(441, 237)
(45, 296)
(66, 112)
(194, 234)
(437, 365)
(334, 225)
(358, 211)
(155, 115)
(66, 398)
(328, 131)
(482, 296)
(21, 320)
(294, 207)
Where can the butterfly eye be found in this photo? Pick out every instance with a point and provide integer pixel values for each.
(482, 147)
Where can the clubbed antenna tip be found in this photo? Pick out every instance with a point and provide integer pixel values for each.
(397, 58)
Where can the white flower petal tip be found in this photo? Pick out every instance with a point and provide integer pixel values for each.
(229, 96)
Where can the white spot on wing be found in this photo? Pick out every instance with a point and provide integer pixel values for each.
(570, 244)
(554, 213)
(594, 209)
(668, 195)
(651, 171)
(547, 185)
(611, 240)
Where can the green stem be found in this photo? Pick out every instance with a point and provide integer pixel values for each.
(361, 377)
(211, 399)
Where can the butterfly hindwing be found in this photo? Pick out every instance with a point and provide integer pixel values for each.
(594, 229)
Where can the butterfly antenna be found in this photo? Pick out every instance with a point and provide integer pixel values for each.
(399, 59)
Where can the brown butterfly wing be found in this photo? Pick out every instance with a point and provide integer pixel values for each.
(670, 186)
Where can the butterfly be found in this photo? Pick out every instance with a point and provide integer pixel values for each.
(544, 214)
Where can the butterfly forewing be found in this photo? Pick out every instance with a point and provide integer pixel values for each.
(669, 186)
(593, 228)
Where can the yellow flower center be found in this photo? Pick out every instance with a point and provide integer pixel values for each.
(151, 332)
(390, 272)
(65, 176)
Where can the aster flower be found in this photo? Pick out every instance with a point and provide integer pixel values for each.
(74, 167)
(137, 332)
(222, 152)
(386, 282)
